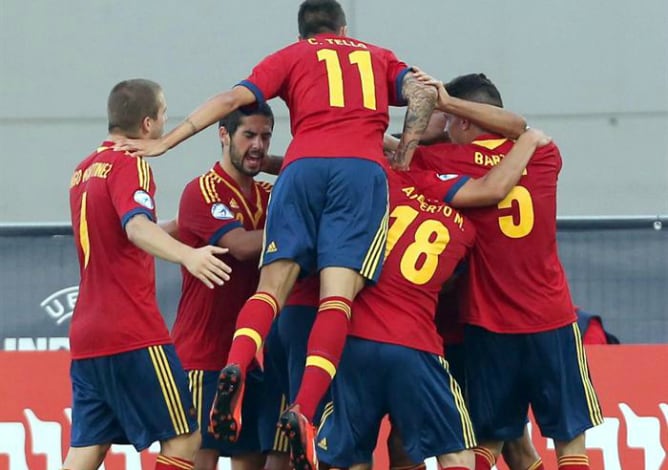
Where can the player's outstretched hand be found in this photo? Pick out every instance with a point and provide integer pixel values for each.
(206, 266)
(142, 147)
(540, 137)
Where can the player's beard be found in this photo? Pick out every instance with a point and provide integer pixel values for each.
(237, 160)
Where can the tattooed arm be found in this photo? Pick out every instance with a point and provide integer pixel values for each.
(421, 101)
(491, 118)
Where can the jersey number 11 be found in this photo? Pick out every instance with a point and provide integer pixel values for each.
(362, 59)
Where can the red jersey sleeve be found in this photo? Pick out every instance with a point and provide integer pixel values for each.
(132, 189)
(268, 77)
(206, 218)
(438, 185)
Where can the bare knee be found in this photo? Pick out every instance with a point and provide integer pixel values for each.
(86, 458)
(340, 282)
(463, 458)
(248, 462)
(278, 461)
(184, 446)
(278, 278)
(575, 446)
(206, 459)
(520, 453)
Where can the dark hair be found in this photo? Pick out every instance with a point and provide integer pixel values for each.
(475, 87)
(130, 101)
(320, 16)
(232, 121)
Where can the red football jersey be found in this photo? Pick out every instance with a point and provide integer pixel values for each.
(116, 310)
(212, 205)
(337, 89)
(426, 241)
(516, 283)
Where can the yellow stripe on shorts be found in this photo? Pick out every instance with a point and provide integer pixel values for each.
(169, 389)
(593, 405)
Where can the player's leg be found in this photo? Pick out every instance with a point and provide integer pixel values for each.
(428, 409)
(252, 327)
(85, 458)
(94, 425)
(178, 452)
(399, 460)
(497, 396)
(202, 386)
(521, 454)
(361, 466)
(350, 424)
(245, 453)
(273, 443)
(352, 231)
(562, 374)
(148, 391)
(289, 247)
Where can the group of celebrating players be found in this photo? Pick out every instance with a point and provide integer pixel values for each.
(365, 246)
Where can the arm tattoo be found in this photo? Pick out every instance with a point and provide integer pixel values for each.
(421, 101)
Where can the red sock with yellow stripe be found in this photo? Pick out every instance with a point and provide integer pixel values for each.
(323, 352)
(173, 463)
(253, 325)
(573, 462)
(484, 459)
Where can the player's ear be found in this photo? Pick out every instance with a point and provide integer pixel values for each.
(223, 135)
(343, 31)
(146, 124)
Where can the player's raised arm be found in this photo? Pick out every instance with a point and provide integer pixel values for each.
(493, 118)
(421, 101)
(212, 110)
(201, 262)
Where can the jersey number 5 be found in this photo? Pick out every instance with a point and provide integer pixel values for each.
(362, 59)
(420, 260)
(521, 225)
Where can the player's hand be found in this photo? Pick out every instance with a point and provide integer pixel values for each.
(142, 147)
(539, 137)
(427, 79)
(397, 164)
(206, 266)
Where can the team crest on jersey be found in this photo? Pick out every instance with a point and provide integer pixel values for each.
(446, 177)
(221, 212)
(143, 198)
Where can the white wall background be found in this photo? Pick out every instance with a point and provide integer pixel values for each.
(593, 74)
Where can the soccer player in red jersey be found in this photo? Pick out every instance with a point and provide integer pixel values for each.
(522, 343)
(226, 207)
(328, 212)
(128, 385)
(393, 359)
